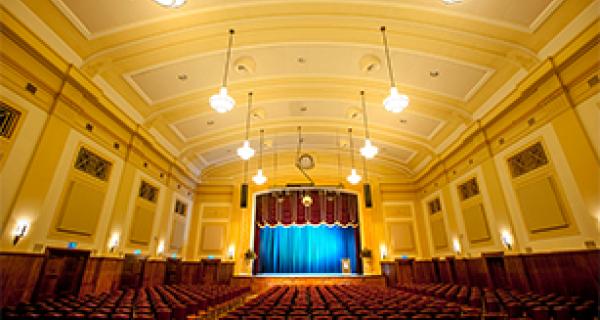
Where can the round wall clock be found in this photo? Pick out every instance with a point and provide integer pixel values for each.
(306, 161)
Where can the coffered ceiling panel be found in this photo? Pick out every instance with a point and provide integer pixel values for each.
(451, 78)
(305, 61)
(295, 113)
(106, 16)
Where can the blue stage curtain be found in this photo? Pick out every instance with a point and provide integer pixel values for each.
(306, 249)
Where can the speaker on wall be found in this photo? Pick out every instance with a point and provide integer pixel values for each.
(244, 196)
(367, 191)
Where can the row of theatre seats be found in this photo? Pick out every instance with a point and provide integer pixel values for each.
(511, 304)
(427, 301)
(167, 302)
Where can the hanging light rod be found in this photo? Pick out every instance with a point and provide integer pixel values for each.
(299, 155)
(369, 151)
(245, 151)
(259, 178)
(222, 102)
(353, 178)
(395, 102)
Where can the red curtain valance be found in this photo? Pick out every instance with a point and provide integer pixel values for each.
(286, 208)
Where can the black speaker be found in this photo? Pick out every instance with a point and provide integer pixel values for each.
(367, 191)
(244, 196)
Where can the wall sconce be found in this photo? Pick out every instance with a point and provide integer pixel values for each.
(160, 249)
(456, 246)
(231, 252)
(507, 239)
(383, 251)
(113, 243)
(20, 231)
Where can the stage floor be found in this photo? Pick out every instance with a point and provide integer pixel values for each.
(307, 275)
(260, 282)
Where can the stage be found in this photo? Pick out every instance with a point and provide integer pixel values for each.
(306, 275)
(261, 282)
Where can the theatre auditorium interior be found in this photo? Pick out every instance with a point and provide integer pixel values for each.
(300, 159)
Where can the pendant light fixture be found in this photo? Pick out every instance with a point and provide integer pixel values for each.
(259, 178)
(245, 151)
(222, 102)
(395, 102)
(368, 150)
(353, 178)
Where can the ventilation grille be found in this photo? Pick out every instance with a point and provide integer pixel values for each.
(9, 118)
(527, 160)
(435, 206)
(92, 164)
(148, 192)
(468, 189)
(593, 81)
(180, 207)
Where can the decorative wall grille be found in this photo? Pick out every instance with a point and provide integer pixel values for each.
(527, 160)
(148, 191)
(468, 189)
(435, 206)
(92, 164)
(180, 207)
(8, 120)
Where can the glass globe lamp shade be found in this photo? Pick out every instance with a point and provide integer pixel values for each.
(353, 178)
(222, 102)
(395, 102)
(245, 151)
(307, 201)
(369, 151)
(171, 3)
(259, 178)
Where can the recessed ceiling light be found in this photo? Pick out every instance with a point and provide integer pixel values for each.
(369, 63)
(451, 1)
(244, 65)
(210, 122)
(434, 73)
(182, 76)
(301, 60)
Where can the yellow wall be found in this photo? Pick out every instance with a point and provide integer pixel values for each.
(39, 183)
(554, 105)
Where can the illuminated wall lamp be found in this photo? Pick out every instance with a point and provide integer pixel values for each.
(160, 249)
(507, 239)
(231, 252)
(456, 246)
(20, 231)
(383, 251)
(113, 243)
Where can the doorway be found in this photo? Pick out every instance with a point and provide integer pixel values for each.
(62, 273)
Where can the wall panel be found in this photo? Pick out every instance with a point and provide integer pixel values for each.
(18, 277)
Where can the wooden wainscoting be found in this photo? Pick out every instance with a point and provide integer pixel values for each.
(102, 274)
(571, 273)
(225, 272)
(424, 272)
(18, 276)
(191, 272)
(210, 270)
(154, 273)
